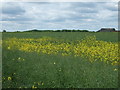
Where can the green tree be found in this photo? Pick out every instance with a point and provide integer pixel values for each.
(4, 30)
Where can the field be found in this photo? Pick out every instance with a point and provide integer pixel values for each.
(60, 60)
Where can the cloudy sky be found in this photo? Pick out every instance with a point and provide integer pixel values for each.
(58, 15)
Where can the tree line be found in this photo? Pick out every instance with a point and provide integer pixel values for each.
(51, 31)
(57, 31)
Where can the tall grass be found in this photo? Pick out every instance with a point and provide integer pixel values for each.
(39, 70)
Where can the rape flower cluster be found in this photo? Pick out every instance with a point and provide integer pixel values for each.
(88, 47)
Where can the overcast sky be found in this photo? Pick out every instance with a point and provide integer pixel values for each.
(58, 15)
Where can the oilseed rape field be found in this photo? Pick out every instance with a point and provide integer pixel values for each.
(60, 60)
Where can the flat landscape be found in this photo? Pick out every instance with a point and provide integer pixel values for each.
(60, 60)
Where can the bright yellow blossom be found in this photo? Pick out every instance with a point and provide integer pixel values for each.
(9, 78)
(88, 47)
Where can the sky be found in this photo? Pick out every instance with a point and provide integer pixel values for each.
(92, 16)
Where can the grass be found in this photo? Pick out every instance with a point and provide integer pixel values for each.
(105, 36)
(31, 70)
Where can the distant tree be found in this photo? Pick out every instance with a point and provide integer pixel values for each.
(4, 30)
(58, 31)
(85, 31)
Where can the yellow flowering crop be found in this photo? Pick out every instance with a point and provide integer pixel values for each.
(88, 47)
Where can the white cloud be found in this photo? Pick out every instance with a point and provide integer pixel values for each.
(60, 0)
(54, 15)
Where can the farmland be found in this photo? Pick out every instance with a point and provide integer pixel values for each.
(60, 60)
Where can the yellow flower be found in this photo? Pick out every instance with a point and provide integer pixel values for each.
(34, 86)
(115, 69)
(9, 78)
(38, 83)
(23, 59)
(42, 83)
(89, 47)
(8, 47)
(54, 63)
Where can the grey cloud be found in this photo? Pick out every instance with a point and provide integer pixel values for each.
(17, 18)
(112, 8)
(88, 10)
(84, 4)
(60, 15)
(12, 9)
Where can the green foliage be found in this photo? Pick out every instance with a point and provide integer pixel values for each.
(55, 71)
(4, 30)
(57, 30)
(27, 70)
